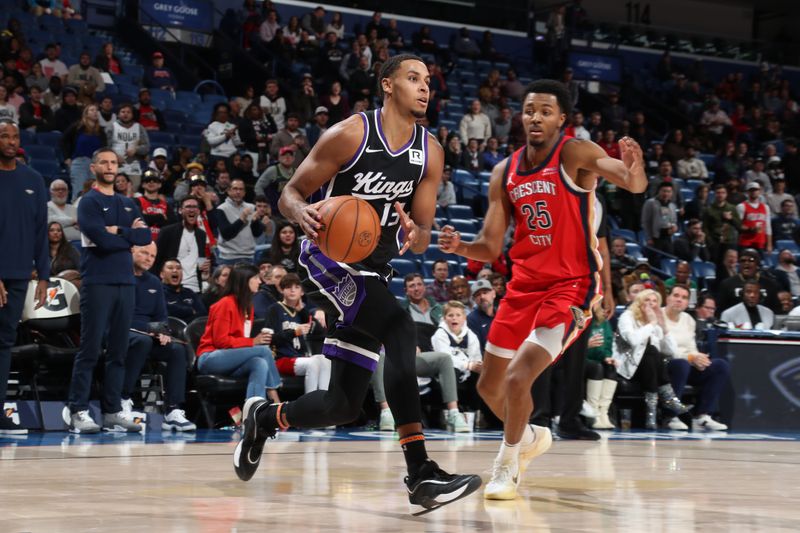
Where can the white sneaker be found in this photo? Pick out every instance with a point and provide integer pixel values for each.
(386, 422)
(127, 406)
(176, 419)
(676, 424)
(504, 482)
(457, 422)
(587, 411)
(706, 423)
(81, 422)
(542, 441)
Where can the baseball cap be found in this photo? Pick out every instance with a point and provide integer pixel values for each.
(160, 152)
(157, 54)
(70, 89)
(750, 252)
(286, 150)
(199, 179)
(195, 164)
(320, 109)
(481, 285)
(143, 90)
(151, 175)
(753, 185)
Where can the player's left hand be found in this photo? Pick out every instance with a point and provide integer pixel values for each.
(631, 155)
(410, 229)
(40, 296)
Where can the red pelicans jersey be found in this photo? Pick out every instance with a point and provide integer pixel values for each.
(554, 237)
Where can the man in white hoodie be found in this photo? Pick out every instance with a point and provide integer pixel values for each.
(130, 142)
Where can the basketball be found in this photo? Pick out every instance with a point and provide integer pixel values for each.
(350, 229)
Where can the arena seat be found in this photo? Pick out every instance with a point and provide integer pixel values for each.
(404, 266)
(460, 211)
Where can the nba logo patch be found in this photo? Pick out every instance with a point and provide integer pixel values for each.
(415, 157)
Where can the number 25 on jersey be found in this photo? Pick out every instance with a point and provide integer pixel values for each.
(538, 216)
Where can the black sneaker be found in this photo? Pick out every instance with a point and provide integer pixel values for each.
(432, 487)
(247, 455)
(8, 427)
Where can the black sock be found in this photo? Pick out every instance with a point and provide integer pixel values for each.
(268, 417)
(414, 451)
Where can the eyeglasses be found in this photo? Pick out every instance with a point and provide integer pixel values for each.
(713, 309)
(747, 260)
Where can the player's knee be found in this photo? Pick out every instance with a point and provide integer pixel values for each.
(517, 381)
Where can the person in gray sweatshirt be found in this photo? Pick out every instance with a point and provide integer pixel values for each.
(238, 223)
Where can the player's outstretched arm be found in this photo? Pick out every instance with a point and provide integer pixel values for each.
(489, 244)
(585, 159)
(334, 149)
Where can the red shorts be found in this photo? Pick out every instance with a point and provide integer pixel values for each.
(285, 365)
(551, 315)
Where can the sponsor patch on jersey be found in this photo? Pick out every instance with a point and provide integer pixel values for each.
(416, 157)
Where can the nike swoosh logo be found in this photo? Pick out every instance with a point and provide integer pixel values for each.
(373, 151)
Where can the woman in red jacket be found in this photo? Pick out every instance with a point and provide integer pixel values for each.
(226, 347)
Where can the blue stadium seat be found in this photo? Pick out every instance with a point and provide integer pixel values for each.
(461, 176)
(788, 245)
(404, 266)
(181, 105)
(46, 167)
(433, 252)
(41, 152)
(435, 236)
(462, 224)
(688, 194)
(161, 138)
(397, 286)
(214, 99)
(485, 189)
(188, 96)
(627, 234)
(161, 95)
(708, 159)
(669, 266)
(703, 269)
(190, 141)
(49, 138)
(485, 175)
(633, 249)
(460, 211)
(26, 138)
(174, 115)
(136, 71)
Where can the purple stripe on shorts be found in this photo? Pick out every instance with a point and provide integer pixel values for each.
(331, 350)
(345, 288)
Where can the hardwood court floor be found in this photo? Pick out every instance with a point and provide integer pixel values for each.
(320, 482)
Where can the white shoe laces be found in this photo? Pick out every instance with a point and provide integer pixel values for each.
(501, 474)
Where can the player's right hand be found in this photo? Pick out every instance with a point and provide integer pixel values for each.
(449, 239)
(310, 220)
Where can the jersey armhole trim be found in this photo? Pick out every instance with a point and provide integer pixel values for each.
(363, 145)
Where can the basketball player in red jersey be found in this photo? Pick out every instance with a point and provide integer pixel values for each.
(548, 187)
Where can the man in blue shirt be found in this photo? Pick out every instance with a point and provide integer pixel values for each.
(110, 224)
(480, 318)
(23, 239)
(150, 316)
(182, 302)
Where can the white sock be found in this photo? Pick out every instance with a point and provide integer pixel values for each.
(452, 412)
(509, 453)
(528, 436)
(386, 410)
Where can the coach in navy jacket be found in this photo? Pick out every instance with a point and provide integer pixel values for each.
(23, 241)
(110, 224)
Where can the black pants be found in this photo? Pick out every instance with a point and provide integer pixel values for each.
(599, 371)
(651, 372)
(381, 320)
